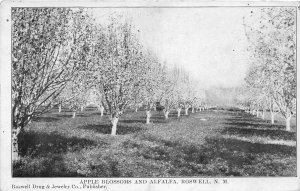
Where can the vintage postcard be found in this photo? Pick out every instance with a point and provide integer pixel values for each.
(149, 95)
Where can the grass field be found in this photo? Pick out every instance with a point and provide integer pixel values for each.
(208, 143)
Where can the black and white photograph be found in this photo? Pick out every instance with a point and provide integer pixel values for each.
(150, 92)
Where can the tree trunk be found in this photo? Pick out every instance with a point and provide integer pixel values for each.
(167, 114)
(178, 112)
(253, 112)
(186, 111)
(257, 113)
(101, 110)
(15, 145)
(272, 117)
(17, 136)
(288, 123)
(263, 114)
(193, 110)
(74, 114)
(114, 122)
(59, 108)
(148, 114)
(136, 109)
(81, 108)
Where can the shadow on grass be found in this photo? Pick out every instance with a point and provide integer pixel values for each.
(78, 114)
(142, 119)
(45, 119)
(272, 133)
(106, 129)
(251, 127)
(133, 121)
(245, 124)
(93, 114)
(251, 119)
(42, 144)
(254, 122)
(91, 109)
(63, 115)
(89, 114)
(42, 155)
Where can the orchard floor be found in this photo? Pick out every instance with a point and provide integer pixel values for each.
(207, 143)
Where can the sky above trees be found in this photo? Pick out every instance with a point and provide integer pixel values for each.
(209, 43)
